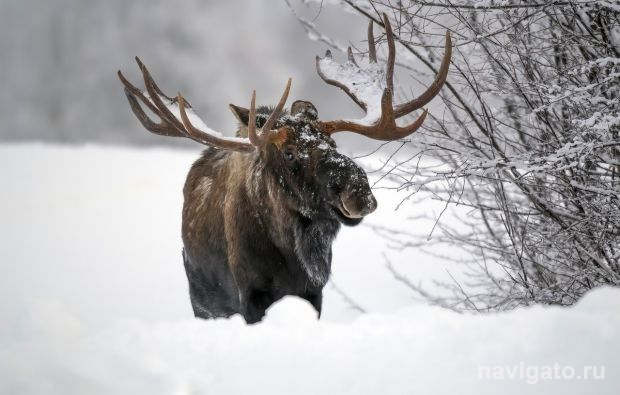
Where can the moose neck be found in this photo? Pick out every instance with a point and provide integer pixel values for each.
(299, 229)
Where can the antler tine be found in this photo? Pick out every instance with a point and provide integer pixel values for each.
(366, 89)
(434, 88)
(407, 130)
(278, 110)
(157, 89)
(207, 138)
(130, 89)
(154, 94)
(254, 139)
(336, 83)
(170, 124)
(372, 52)
(162, 128)
(389, 74)
(266, 134)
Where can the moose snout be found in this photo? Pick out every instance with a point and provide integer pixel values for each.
(359, 205)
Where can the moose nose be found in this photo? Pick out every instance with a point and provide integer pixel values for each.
(370, 206)
(358, 206)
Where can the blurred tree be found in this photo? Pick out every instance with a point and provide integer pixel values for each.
(59, 62)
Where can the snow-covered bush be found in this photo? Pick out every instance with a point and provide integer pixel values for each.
(528, 137)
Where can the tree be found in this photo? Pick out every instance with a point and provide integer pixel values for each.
(529, 140)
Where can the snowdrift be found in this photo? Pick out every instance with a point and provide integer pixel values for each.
(417, 350)
(94, 301)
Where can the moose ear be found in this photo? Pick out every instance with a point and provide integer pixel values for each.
(305, 108)
(242, 114)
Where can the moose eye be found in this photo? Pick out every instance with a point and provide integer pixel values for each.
(289, 155)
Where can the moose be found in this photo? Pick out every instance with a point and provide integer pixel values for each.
(262, 209)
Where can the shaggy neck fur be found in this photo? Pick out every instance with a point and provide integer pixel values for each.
(303, 227)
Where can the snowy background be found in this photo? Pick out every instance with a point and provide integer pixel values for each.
(59, 61)
(94, 300)
(93, 296)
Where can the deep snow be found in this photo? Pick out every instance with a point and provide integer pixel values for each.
(93, 299)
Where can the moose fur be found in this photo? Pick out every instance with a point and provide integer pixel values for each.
(258, 226)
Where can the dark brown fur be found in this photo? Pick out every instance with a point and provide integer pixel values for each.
(258, 226)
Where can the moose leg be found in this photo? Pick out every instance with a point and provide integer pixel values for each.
(316, 300)
(208, 293)
(254, 303)
(253, 300)
(196, 292)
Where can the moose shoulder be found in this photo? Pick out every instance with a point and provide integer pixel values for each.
(262, 209)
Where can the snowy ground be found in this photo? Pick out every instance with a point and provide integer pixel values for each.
(93, 300)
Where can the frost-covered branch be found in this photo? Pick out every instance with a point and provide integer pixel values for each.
(528, 140)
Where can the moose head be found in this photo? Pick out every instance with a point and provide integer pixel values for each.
(289, 185)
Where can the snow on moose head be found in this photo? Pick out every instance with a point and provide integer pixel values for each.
(261, 209)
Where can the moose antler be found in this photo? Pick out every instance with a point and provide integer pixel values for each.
(178, 119)
(266, 135)
(372, 88)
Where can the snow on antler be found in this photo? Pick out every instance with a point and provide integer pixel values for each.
(364, 85)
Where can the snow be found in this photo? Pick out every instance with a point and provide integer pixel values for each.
(367, 84)
(94, 300)
(194, 119)
(610, 5)
(487, 3)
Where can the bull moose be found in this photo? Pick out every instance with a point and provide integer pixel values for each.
(262, 209)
